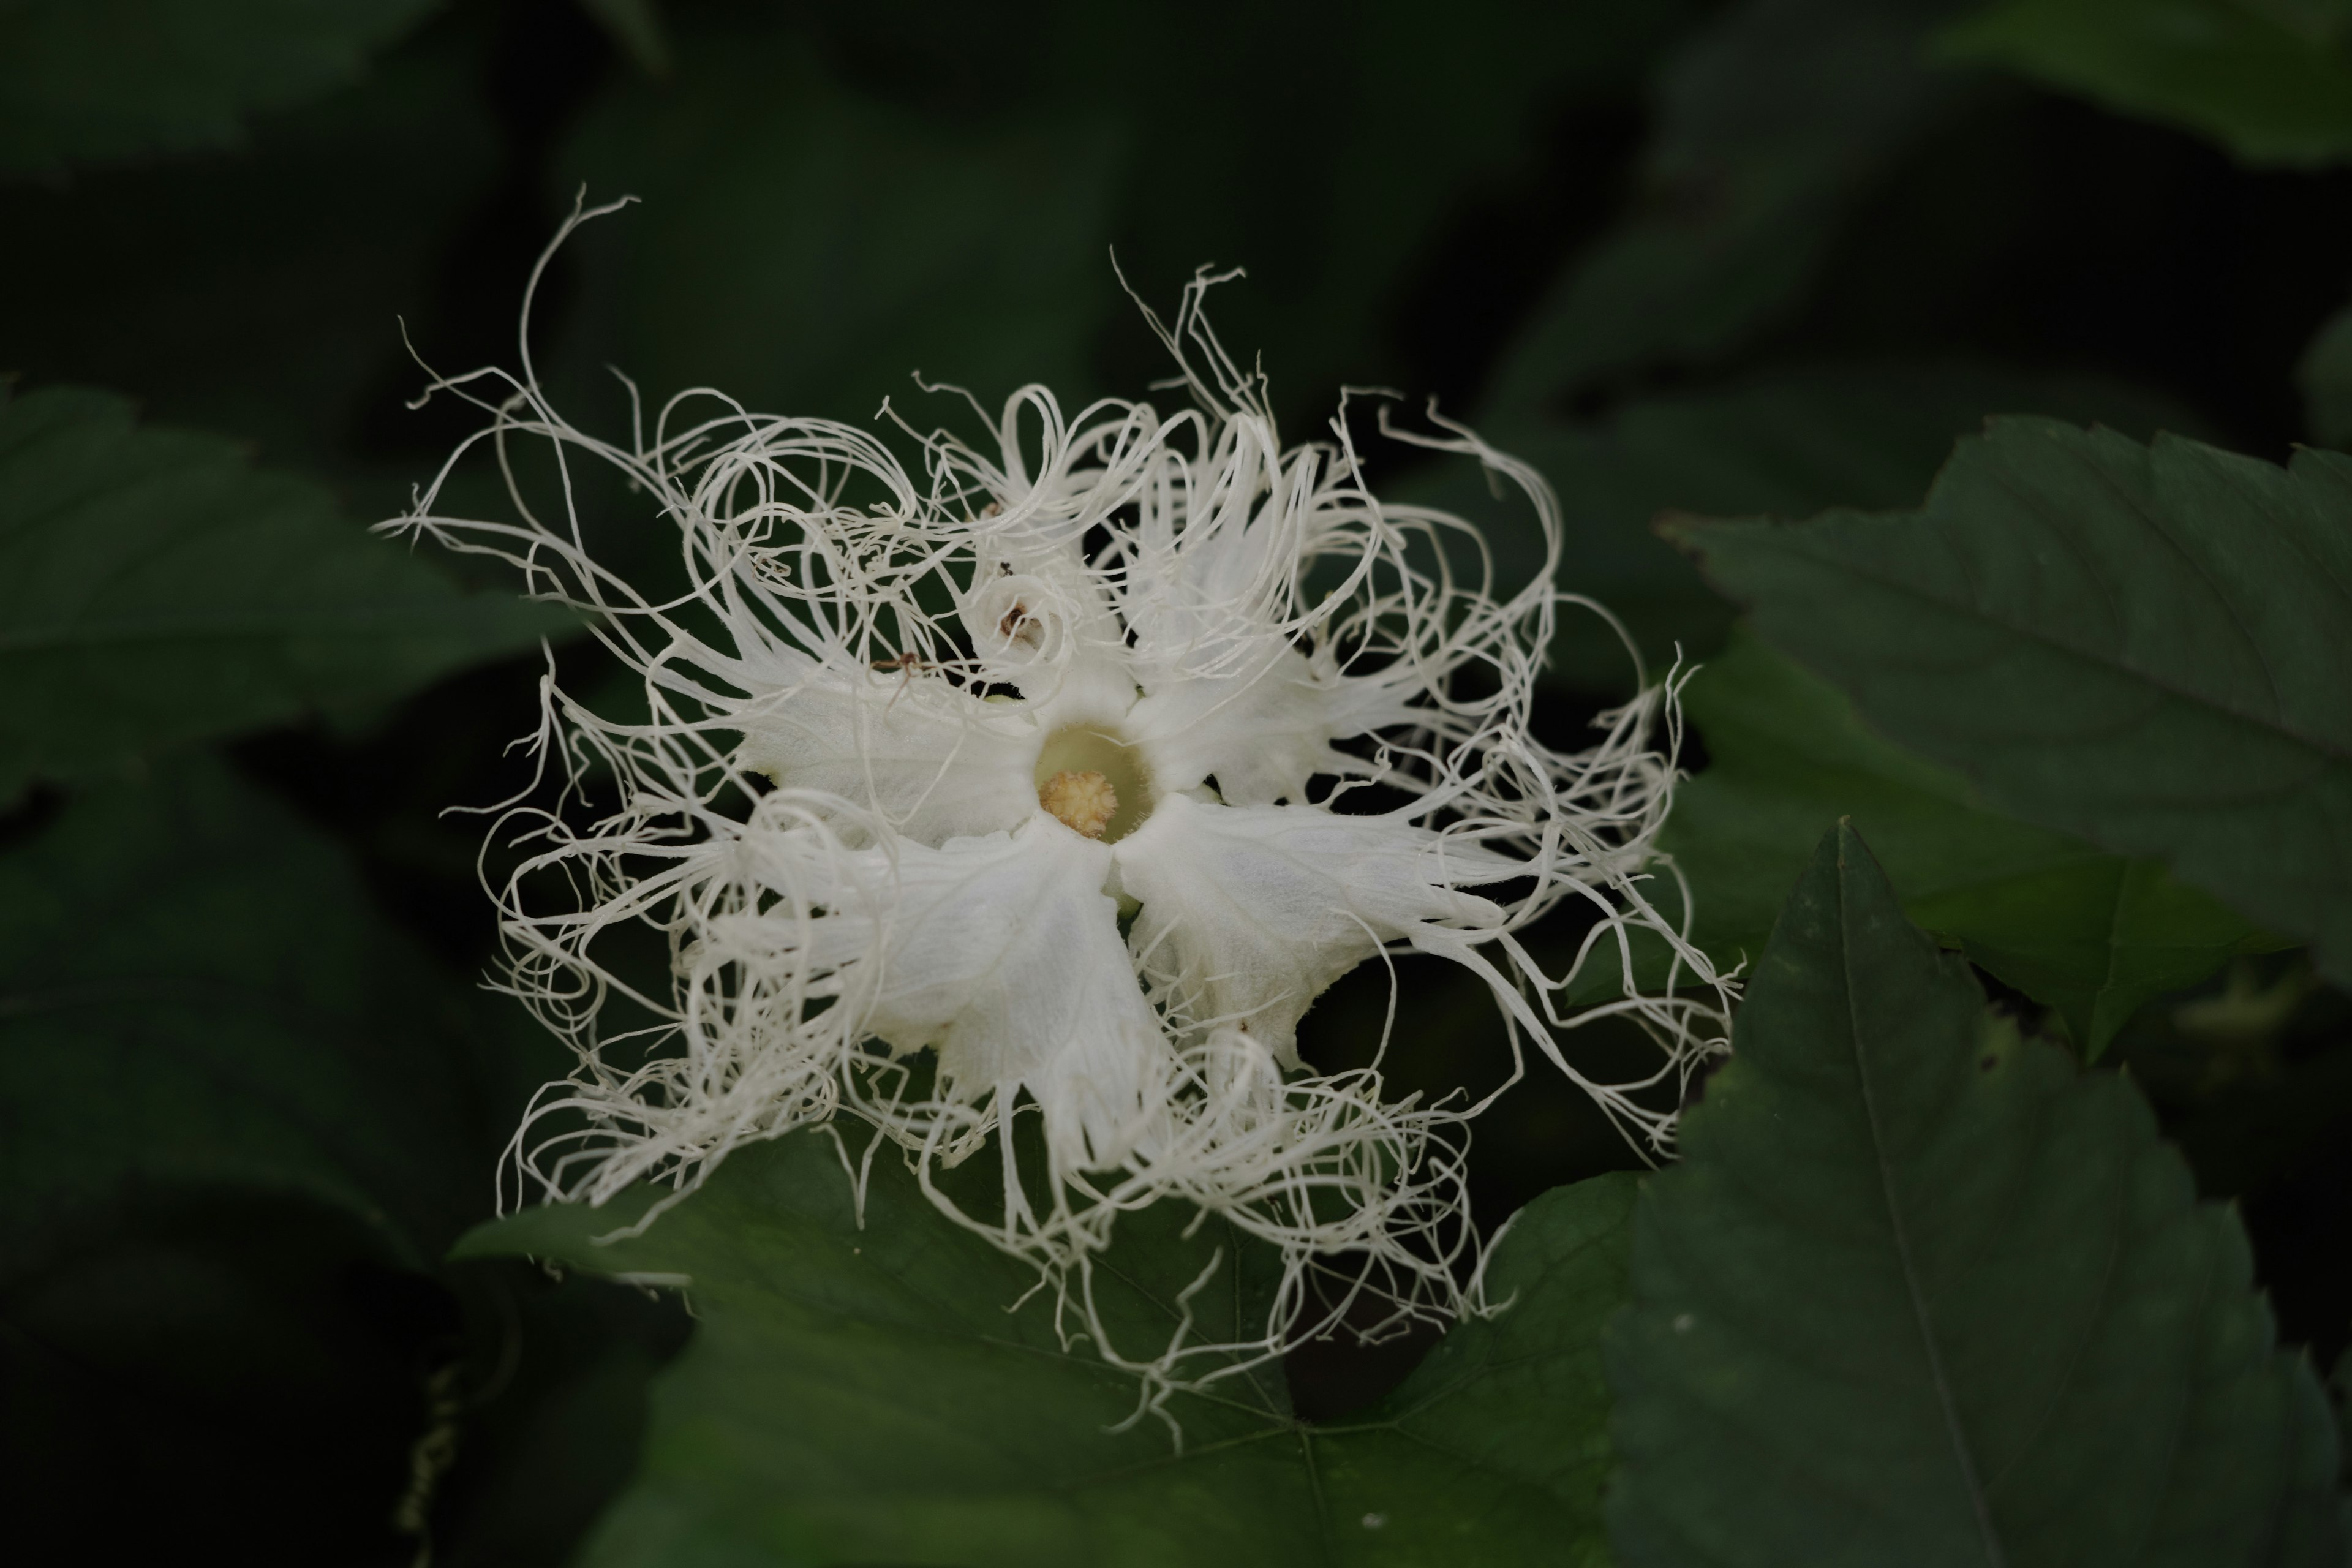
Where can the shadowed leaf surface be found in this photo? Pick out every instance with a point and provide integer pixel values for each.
(2148, 646)
(865, 1395)
(291, 267)
(1786, 441)
(2323, 375)
(1918, 1293)
(1769, 126)
(92, 79)
(194, 995)
(238, 1113)
(2089, 933)
(807, 251)
(2272, 85)
(156, 589)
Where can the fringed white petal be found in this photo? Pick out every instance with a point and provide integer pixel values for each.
(1261, 736)
(1004, 954)
(931, 760)
(1250, 913)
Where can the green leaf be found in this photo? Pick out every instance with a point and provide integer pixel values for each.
(237, 1114)
(556, 1387)
(276, 314)
(1918, 1293)
(1340, 240)
(194, 995)
(866, 1393)
(1787, 441)
(2150, 646)
(1337, 247)
(155, 589)
(1769, 126)
(83, 80)
(806, 251)
(2323, 375)
(2269, 82)
(224, 1359)
(2090, 933)
(636, 26)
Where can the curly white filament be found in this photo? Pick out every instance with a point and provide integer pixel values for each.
(1022, 790)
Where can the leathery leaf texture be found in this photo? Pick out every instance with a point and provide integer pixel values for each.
(2148, 646)
(1920, 1293)
(872, 1393)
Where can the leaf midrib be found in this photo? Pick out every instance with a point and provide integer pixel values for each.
(1919, 1309)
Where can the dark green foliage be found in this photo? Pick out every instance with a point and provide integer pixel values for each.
(244, 1112)
(2090, 933)
(2325, 376)
(809, 247)
(813, 251)
(156, 589)
(2147, 646)
(1769, 129)
(2270, 79)
(867, 1393)
(199, 996)
(1784, 442)
(1763, 257)
(291, 268)
(108, 79)
(1918, 1293)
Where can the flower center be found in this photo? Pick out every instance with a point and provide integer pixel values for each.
(1093, 783)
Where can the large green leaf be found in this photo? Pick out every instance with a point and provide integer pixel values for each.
(2090, 933)
(2267, 79)
(276, 314)
(197, 995)
(1343, 245)
(84, 80)
(864, 1393)
(1918, 1293)
(1768, 127)
(1785, 442)
(156, 589)
(806, 251)
(237, 1112)
(1342, 208)
(2148, 646)
(2325, 376)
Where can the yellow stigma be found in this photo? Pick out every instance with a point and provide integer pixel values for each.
(1082, 802)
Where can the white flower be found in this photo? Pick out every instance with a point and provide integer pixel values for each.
(1065, 777)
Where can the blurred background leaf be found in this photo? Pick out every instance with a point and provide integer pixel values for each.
(1765, 131)
(255, 1117)
(1918, 1293)
(812, 250)
(2270, 79)
(2325, 376)
(159, 590)
(290, 267)
(86, 81)
(199, 996)
(636, 26)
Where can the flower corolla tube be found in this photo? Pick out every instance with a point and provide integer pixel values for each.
(1051, 781)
